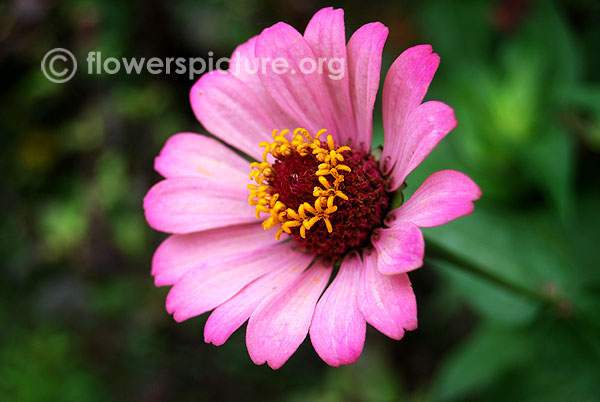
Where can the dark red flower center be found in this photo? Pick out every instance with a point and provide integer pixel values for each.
(293, 178)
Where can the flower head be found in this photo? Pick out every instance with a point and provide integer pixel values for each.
(322, 199)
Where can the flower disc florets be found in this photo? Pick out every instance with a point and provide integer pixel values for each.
(327, 198)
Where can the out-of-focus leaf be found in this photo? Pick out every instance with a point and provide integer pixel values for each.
(553, 360)
(550, 163)
(507, 105)
(141, 103)
(130, 233)
(473, 366)
(63, 224)
(111, 179)
(115, 297)
(458, 29)
(564, 366)
(85, 132)
(582, 116)
(370, 379)
(215, 14)
(44, 366)
(510, 246)
(488, 299)
(113, 194)
(583, 233)
(584, 96)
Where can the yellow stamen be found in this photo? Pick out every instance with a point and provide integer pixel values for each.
(330, 143)
(291, 224)
(307, 215)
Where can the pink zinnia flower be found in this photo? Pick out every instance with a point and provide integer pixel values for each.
(320, 190)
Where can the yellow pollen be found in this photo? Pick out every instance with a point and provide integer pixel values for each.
(329, 174)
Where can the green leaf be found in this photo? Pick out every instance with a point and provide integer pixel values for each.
(516, 247)
(488, 299)
(44, 365)
(550, 164)
(473, 366)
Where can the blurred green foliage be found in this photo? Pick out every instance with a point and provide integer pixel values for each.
(81, 318)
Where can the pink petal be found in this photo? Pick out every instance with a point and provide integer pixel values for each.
(326, 35)
(188, 154)
(443, 196)
(425, 127)
(300, 93)
(405, 86)
(399, 249)
(180, 253)
(229, 316)
(203, 288)
(230, 110)
(387, 302)
(338, 328)
(191, 204)
(244, 65)
(280, 323)
(364, 68)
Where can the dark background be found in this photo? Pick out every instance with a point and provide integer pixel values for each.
(510, 313)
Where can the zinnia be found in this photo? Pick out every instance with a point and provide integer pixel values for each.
(315, 183)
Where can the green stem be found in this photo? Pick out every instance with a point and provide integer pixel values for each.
(559, 304)
(437, 252)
